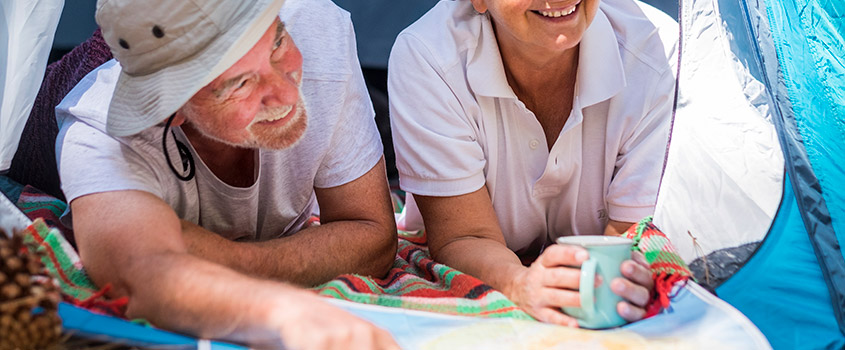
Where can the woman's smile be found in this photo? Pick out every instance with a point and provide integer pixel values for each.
(562, 12)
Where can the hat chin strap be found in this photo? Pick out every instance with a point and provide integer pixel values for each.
(185, 153)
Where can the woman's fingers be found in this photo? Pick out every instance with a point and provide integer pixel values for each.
(637, 273)
(639, 258)
(562, 277)
(632, 292)
(557, 298)
(555, 316)
(629, 312)
(557, 280)
(563, 255)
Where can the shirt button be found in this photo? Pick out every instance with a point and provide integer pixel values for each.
(533, 144)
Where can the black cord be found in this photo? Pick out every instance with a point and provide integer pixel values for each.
(184, 153)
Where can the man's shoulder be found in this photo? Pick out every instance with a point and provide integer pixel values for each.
(326, 8)
(81, 116)
(89, 100)
(323, 33)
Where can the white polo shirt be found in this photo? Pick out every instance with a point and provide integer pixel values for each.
(457, 124)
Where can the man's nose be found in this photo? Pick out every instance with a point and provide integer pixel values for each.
(280, 88)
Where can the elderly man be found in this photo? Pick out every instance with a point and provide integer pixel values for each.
(192, 167)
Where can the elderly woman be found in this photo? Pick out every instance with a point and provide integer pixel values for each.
(517, 122)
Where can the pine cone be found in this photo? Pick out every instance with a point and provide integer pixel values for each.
(29, 299)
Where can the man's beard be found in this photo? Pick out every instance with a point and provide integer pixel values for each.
(279, 137)
(268, 137)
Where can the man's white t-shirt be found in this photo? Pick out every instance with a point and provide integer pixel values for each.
(458, 125)
(340, 144)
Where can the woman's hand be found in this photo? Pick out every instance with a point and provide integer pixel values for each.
(551, 282)
(635, 288)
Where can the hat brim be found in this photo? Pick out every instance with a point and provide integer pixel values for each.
(140, 102)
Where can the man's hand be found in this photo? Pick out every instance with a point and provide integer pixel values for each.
(314, 324)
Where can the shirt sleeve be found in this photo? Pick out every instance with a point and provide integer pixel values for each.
(436, 143)
(355, 145)
(90, 161)
(639, 165)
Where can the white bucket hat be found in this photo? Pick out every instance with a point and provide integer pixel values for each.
(169, 50)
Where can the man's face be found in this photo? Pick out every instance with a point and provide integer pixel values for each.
(551, 26)
(256, 103)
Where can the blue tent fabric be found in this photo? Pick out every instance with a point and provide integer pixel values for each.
(809, 46)
(793, 287)
(809, 37)
(781, 288)
(86, 324)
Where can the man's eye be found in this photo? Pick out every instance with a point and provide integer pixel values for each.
(237, 88)
(278, 43)
(278, 50)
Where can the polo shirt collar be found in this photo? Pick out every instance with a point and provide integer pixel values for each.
(600, 71)
(599, 59)
(485, 70)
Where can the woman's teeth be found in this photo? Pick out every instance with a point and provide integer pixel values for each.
(555, 14)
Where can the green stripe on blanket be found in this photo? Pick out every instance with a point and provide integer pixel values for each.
(61, 260)
(63, 264)
(667, 267)
(417, 282)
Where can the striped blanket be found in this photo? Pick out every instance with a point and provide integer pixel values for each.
(415, 281)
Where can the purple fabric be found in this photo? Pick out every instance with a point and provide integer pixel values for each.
(34, 162)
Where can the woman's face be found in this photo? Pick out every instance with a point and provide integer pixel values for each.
(551, 26)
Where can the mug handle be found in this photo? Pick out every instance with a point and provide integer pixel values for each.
(587, 288)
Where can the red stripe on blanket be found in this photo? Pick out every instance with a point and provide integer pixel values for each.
(51, 255)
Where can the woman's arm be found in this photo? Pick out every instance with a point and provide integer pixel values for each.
(463, 232)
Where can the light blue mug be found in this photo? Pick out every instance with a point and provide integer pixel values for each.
(598, 303)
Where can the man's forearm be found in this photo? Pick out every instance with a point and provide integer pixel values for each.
(309, 257)
(148, 262)
(181, 292)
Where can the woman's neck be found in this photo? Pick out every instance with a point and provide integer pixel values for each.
(530, 69)
(543, 80)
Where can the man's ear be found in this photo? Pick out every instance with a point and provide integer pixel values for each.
(480, 5)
